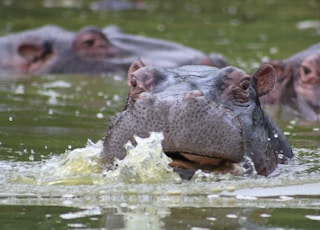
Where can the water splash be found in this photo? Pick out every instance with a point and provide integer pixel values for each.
(79, 166)
(144, 163)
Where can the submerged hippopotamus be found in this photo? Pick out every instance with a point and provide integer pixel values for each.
(298, 83)
(211, 118)
(51, 49)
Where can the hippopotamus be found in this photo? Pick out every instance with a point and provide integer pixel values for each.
(51, 49)
(211, 118)
(298, 83)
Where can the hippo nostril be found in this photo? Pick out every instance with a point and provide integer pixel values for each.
(133, 82)
(89, 42)
(306, 70)
(245, 84)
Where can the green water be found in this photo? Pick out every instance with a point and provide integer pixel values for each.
(43, 118)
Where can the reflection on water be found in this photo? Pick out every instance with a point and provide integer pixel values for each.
(161, 218)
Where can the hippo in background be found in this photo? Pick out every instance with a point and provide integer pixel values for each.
(51, 49)
(211, 119)
(298, 83)
(158, 52)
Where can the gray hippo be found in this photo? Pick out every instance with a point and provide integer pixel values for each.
(298, 83)
(211, 118)
(51, 49)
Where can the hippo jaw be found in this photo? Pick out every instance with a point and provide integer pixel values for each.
(192, 162)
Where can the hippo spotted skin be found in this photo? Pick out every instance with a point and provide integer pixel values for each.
(298, 83)
(210, 117)
(51, 49)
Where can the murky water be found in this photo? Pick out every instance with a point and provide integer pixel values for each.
(51, 127)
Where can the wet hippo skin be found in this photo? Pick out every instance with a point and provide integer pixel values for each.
(211, 118)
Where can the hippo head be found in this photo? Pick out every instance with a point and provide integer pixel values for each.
(53, 50)
(210, 117)
(298, 83)
(307, 86)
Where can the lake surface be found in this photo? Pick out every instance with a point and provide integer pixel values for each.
(51, 127)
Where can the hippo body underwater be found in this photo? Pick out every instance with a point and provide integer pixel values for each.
(298, 83)
(211, 118)
(51, 49)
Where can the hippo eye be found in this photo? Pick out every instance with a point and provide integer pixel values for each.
(245, 84)
(133, 82)
(306, 70)
(89, 42)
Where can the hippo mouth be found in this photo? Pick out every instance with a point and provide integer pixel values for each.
(182, 162)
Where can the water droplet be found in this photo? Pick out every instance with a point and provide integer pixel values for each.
(116, 97)
(265, 215)
(123, 205)
(293, 122)
(273, 50)
(265, 59)
(276, 135)
(100, 115)
(211, 218)
(232, 216)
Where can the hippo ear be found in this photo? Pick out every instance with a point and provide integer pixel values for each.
(134, 66)
(279, 66)
(35, 53)
(264, 79)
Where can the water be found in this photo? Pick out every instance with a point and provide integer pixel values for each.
(51, 127)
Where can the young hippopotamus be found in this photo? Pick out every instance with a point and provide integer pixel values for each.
(52, 49)
(298, 83)
(211, 118)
